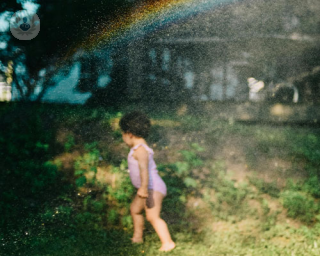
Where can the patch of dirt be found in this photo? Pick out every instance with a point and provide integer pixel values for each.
(249, 226)
(233, 151)
(281, 241)
(168, 147)
(65, 162)
(245, 227)
(221, 226)
(255, 204)
(202, 212)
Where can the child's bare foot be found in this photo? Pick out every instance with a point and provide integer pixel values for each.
(167, 247)
(136, 240)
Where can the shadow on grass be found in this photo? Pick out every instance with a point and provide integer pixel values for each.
(68, 242)
(32, 189)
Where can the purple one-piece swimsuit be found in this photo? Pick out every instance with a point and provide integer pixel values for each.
(155, 182)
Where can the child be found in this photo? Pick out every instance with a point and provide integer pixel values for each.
(144, 176)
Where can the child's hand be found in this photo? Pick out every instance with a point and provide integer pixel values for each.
(142, 192)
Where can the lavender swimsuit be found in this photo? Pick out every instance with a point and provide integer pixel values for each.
(155, 182)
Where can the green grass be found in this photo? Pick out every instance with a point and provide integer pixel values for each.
(207, 211)
(206, 243)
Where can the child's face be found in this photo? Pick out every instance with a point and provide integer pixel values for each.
(127, 138)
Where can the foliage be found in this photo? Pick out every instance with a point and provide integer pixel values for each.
(120, 197)
(307, 148)
(186, 169)
(225, 198)
(299, 205)
(27, 169)
(69, 143)
(36, 64)
(87, 165)
(227, 192)
(270, 143)
(94, 219)
(311, 186)
(270, 188)
(112, 96)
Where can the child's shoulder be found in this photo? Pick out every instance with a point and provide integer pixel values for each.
(140, 152)
(142, 149)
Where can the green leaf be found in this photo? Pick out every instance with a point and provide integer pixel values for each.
(182, 167)
(188, 155)
(123, 165)
(79, 172)
(81, 181)
(189, 182)
(98, 206)
(197, 147)
(197, 162)
(113, 216)
(70, 143)
(42, 146)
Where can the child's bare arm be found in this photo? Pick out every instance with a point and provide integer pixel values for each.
(142, 156)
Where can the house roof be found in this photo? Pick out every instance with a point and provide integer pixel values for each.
(240, 20)
(293, 37)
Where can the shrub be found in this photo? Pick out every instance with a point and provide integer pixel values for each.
(265, 187)
(311, 186)
(87, 164)
(299, 205)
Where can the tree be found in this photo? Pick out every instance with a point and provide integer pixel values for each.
(115, 94)
(65, 25)
(10, 6)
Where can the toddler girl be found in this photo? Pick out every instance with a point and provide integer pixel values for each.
(144, 176)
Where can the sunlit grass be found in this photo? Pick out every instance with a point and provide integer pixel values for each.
(209, 211)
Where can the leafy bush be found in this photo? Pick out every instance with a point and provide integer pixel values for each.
(311, 186)
(265, 187)
(185, 169)
(299, 205)
(120, 196)
(87, 165)
(177, 191)
(227, 192)
(181, 182)
(307, 148)
(70, 143)
(29, 179)
(224, 196)
(269, 142)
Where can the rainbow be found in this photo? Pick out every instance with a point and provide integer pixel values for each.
(146, 19)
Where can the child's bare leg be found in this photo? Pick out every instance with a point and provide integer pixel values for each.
(136, 209)
(160, 226)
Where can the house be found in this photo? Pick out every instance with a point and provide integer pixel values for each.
(211, 55)
(208, 56)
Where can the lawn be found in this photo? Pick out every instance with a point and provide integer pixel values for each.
(233, 188)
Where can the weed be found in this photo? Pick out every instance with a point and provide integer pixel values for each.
(97, 223)
(299, 205)
(270, 188)
(86, 165)
(228, 199)
(311, 185)
(69, 144)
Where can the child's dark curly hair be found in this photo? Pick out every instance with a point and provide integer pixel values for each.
(136, 123)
